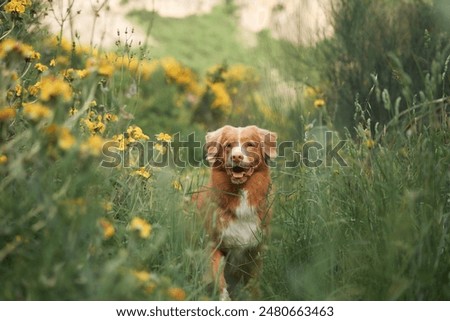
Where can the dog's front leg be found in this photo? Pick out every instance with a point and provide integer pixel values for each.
(218, 265)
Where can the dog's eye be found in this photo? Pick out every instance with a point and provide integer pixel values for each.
(251, 144)
(228, 145)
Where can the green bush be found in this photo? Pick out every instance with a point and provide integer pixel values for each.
(399, 47)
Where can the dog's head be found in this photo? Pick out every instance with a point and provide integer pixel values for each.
(239, 151)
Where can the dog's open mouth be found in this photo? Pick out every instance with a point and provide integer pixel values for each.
(239, 174)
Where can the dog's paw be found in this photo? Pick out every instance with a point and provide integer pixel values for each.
(224, 296)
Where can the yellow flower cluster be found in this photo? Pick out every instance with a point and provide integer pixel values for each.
(151, 282)
(177, 185)
(180, 74)
(316, 95)
(33, 90)
(65, 138)
(107, 227)
(147, 279)
(17, 6)
(164, 137)
(103, 66)
(37, 111)
(177, 294)
(61, 135)
(222, 99)
(92, 146)
(141, 226)
(111, 117)
(133, 134)
(94, 123)
(224, 83)
(240, 73)
(7, 113)
(3, 159)
(319, 103)
(142, 172)
(17, 48)
(370, 143)
(52, 87)
(70, 74)
(142, 276)
(40, 67)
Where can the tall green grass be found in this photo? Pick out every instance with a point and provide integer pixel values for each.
(375, 230)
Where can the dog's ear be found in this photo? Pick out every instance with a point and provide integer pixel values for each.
(213, 145)
(269, 143)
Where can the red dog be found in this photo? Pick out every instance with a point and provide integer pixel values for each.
(239, 215)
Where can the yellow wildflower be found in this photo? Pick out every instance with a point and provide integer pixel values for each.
(18, 90)
(133, 134)
(142, 276)
(319, 103)
(34, 89)
(40, 67)
(28, 52)
(111, 117)
(176, 294)
(70, 73)
(65, 138)
(164, 137)
(142, 226)
(7, 113)
(36, 111)
(120, 141)
(62, 60)
(107, 206)
(239, 73)
(17, 48)
(73, 111)
(160, 148)
(52, 63)
(14, 75)
(108, 228)
(147, 69)
(3, 159)
(93, 103)
(6, 46)
(54, 86)
(176, 185)
(179, 74)
(94, 127)
(103, 66)
(62, 43)
(82, 73)
(142, 172)
(370, 143)
(310, 92)
(222, 99)
(105, 69)
(136, 132)
(17, 6)
(92, 146)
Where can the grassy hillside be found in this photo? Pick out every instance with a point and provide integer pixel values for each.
(204, 40)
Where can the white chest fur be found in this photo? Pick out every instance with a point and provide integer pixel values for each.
(244, 231)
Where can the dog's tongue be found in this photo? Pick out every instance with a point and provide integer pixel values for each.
(238, 174)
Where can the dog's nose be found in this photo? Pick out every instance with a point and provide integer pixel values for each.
(238, 158)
